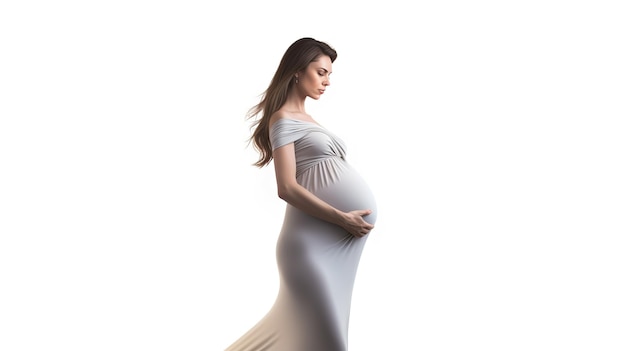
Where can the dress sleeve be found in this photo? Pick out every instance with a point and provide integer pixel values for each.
(284, 132)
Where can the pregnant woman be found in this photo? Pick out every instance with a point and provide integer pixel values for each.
(330, 210)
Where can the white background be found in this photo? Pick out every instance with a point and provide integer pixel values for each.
(490, 131)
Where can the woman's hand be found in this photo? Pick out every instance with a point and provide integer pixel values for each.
(355, 224)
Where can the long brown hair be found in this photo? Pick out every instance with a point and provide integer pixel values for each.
(297, 57)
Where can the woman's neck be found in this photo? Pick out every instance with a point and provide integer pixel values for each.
(294, 104)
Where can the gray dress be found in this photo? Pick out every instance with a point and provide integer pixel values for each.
(317, 260)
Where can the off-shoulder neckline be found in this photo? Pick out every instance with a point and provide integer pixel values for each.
(297, 120)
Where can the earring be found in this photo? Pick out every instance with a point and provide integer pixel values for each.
(296, 80)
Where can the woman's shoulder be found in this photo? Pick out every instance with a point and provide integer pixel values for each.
(282, 115)
(276, 116)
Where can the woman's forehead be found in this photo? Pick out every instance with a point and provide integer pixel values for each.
(324, 63)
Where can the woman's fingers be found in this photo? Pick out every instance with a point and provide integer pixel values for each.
(359, 227)
(363, 212)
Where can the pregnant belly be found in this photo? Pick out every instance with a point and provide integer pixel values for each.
(348, 193)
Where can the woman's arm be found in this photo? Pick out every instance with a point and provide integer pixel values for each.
(299, 197)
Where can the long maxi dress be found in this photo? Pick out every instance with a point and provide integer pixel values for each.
(317, 260)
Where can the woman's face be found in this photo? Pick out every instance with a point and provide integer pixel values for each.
(313, 80)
